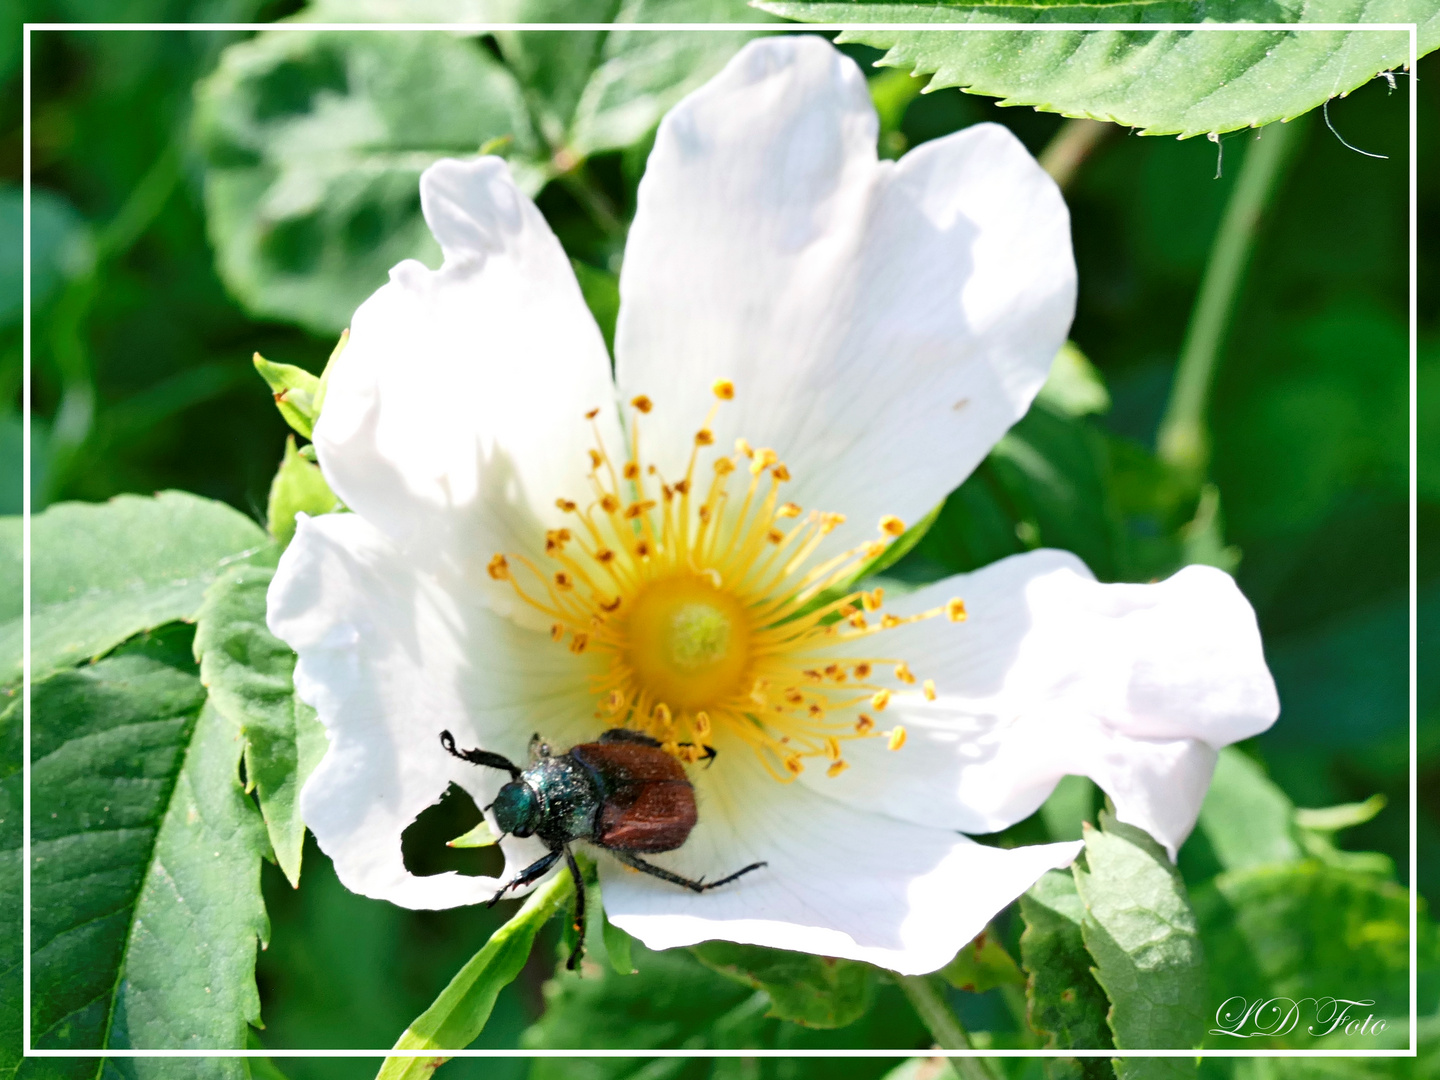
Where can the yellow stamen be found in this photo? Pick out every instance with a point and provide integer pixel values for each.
(699, 598)
(955, 610)
(897, 738)
(929, 689)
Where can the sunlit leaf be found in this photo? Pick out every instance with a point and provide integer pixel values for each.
(250, 675)
(458, 1015)
(146, 863)
(1142, 933)
(1247, 819)
(314, 144)
(817, 991)
(1165, 82)
(101, 573)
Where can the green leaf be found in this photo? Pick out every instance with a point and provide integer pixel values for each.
(458, 1015)
(299, 487)
(601, 290)
(594, 91)
(1065, 1003)
(1142, 933)
(103, 572)
(1246, 818)
(619, 946)
(676, 1002)
(1164, 82)
(314, 143)
(146, 862)
(250, 675)
(982, 965)
(1305, 929)
(816, 991)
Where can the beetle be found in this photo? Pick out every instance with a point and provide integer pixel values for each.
(622, 793)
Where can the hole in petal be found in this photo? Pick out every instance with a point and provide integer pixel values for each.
(422, 844)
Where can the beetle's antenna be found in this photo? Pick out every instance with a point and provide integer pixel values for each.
(479, 757)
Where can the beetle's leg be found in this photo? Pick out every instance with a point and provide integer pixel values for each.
(479, 757)
(579, 924)
(620, 734)
(709, 755)
(700, 885)
(535, 870)
(538, 749)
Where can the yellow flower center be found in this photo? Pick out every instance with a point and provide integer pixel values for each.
(704, 601)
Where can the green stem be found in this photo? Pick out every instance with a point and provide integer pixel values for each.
(944, 1026)
(1070, 146)
(1183, 439)
(597, 204)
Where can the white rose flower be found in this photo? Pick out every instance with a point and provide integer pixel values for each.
(512, 567)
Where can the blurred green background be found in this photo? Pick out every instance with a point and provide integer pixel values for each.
(142, 381)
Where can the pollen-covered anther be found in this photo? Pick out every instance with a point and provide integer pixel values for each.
(701, 725)
(896, 739)
(762, 460)
(832, 748)
(642, 549)
(889, 622)
(775, 536)
(758, 694)
(724, 466)
(604, 555)
(723, 389)
(742, 446)
(955, 610)
(591, 414)
(661, 714)
(595, 459)
(788, 510)
(614, 702)
(498, 568)
(928, 689)
(872, 600)
(829, 522)
(609, 503)
(880, 700)
(857, 620)
(642, 403)
(780, 472)
(891, 525)
(862, 671)
(704, 437)
(794, 696)
(631, 471)
(864, 725)
(634, 510)
(816, 711)
(565, 505)
(557, 631)
(837, 768)
(564, 581)
(795, 764)
(579, 642)
(902, 672)
(611, 605)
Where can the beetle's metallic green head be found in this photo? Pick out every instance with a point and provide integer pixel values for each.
(517, 809)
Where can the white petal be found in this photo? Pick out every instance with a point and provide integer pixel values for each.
(839, 881)
(390, 657)
(1053, 673)
(454, 418)
(884, 323)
